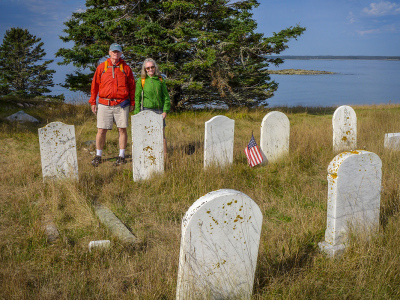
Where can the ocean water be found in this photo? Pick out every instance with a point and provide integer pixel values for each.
(355, 82)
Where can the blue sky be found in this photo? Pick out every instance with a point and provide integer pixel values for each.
(340, 27)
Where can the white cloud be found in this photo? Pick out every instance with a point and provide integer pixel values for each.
(382, 8)
(384, 29)
(371, 31)
(351, 18)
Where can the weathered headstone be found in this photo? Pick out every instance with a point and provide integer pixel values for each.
(354, 187)
(58, 151)
(392, 141)
(22, 116)
(275, 132)
(344, 122)
(147, 145)
(218, 141)
(219, 247)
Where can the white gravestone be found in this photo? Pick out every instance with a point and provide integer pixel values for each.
(147, 145)
(219, 247)
(275, 132)
(218, 141)
(58, 151)
(354, 193)
(344, 123)
(392, 141)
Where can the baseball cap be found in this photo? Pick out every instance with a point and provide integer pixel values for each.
(116, 47)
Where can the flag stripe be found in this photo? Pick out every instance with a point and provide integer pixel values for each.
(254, 157)
(253, 153)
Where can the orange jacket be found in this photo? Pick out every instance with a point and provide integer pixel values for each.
(113, 86)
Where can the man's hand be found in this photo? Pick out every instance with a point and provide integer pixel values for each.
(164, 115)
(131, 108)
(94, 109)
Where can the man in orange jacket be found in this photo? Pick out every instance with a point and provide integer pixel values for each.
(114, 83)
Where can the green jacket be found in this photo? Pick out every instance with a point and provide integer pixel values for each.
(155, 95)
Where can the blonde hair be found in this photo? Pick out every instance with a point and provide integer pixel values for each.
(144, 73)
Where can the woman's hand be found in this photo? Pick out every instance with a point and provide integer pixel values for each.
(164, 115)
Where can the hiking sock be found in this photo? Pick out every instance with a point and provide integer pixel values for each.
(99, 152)
(122, 152)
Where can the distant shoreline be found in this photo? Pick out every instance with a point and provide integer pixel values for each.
(298, 72)
(331, 57)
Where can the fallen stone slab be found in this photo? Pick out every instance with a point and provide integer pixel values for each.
(114, 224)
(22, 116)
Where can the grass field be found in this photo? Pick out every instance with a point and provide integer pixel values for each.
(292, 194)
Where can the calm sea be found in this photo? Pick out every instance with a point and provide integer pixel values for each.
(356, 82)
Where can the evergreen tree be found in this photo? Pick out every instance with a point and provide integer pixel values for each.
(22, 75)
(208, 49)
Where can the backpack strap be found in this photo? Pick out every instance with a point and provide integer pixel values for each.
(121, 68)
(105, 67)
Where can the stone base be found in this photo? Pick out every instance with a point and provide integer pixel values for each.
(332, 251)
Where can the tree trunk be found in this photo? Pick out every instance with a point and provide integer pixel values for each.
(176, 98)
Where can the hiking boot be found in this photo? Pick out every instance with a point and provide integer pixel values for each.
(96, 161)
(120, 161)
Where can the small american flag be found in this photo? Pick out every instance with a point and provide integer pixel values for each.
(253, 153)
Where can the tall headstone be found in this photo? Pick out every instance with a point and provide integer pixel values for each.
(344, 122)
(218, 141)
(275, 132)
(219, 247)
(58, 151)
(392, 141)
(354, 195)
(147, 145)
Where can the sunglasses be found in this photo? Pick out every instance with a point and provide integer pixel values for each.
(150, 68)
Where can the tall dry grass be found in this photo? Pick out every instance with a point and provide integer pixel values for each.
(291, 193)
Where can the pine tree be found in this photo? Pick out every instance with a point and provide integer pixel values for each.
(208, 49)
(22, 75)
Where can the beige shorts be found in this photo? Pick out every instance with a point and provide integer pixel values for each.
(107, 115)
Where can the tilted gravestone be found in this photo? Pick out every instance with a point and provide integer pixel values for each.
(354, 187)
(219, 247)
(58, 151)
(275, 132)
(218, 141)
(147, 145)
(392, 141)
(344, 122)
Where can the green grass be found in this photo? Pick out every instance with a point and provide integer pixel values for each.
(292, 194)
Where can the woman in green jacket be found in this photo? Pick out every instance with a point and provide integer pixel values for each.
(155, 94)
